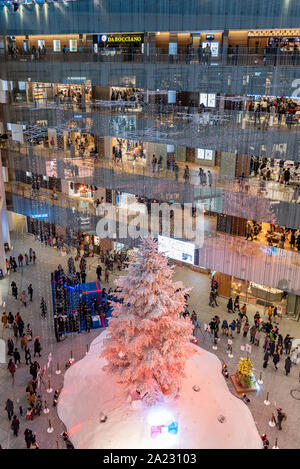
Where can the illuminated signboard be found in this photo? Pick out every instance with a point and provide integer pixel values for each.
(274, 32)
(176, 249)
(122, 38)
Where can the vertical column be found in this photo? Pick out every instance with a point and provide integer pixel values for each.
(4, 226)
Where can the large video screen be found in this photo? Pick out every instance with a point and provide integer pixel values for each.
(176, 249)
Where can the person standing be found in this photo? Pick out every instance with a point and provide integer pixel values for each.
(34, 256)
(287, 365)
(99, 272)
(43, 307)
(266, 359)
(14, 290)
(28, 437)
(246, 328)
(83, 277)
(257, 337)
(15, 425)
(9, 407)
(106, 274)
(252, 333)
(27, 355)
(232, 327)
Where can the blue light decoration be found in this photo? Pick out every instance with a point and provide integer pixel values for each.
(30, 2)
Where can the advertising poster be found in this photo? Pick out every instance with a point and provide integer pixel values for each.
(17, 133)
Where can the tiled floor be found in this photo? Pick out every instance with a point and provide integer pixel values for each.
(276, 383)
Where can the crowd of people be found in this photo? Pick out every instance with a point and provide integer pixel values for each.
(269, 111)
(30, 257)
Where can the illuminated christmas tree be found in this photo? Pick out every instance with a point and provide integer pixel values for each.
(148, 339)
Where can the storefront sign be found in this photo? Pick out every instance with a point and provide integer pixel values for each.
(124, 38)
(274, 32)
(40, 215)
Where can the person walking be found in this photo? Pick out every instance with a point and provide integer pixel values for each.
(28, 437)
(17, 356)
(230, 305)
(12, 369)
(281, 416)
(23, 298)
(37, 347)
(236, 304)
(4, 320)
(186, 175)
(15, 329)
(34, 256)
(23, 341)
(10, 346)
(10, 320)
(238, 325)
(43, 307)
(287, 343)
(276, 359)
(15, 425)
(287, 365)
(9, 407)
(30, 291)
(266, 359)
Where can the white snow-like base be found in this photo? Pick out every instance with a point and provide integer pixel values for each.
(88, 391)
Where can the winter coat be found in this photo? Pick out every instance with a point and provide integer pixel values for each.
(288, 365)
(276, 359)
(37, 346)
(9, 406)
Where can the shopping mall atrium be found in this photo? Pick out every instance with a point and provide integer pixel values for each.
(137, 136)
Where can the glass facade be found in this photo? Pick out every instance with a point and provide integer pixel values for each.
(197, 106)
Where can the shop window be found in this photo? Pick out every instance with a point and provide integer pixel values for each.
(73, 45)
(56, 45)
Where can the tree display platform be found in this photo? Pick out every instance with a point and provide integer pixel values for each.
(239, 388)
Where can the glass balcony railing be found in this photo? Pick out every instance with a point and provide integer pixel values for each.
(248, 56)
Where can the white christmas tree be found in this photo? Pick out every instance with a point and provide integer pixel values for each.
(148, 340)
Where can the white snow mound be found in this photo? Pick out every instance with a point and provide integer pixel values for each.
(89, 392)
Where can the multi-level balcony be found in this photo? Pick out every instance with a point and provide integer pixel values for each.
(225, 253)
(274, 203)
(249, 72)
(239, 132)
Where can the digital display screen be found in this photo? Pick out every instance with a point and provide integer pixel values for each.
(176, 249)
